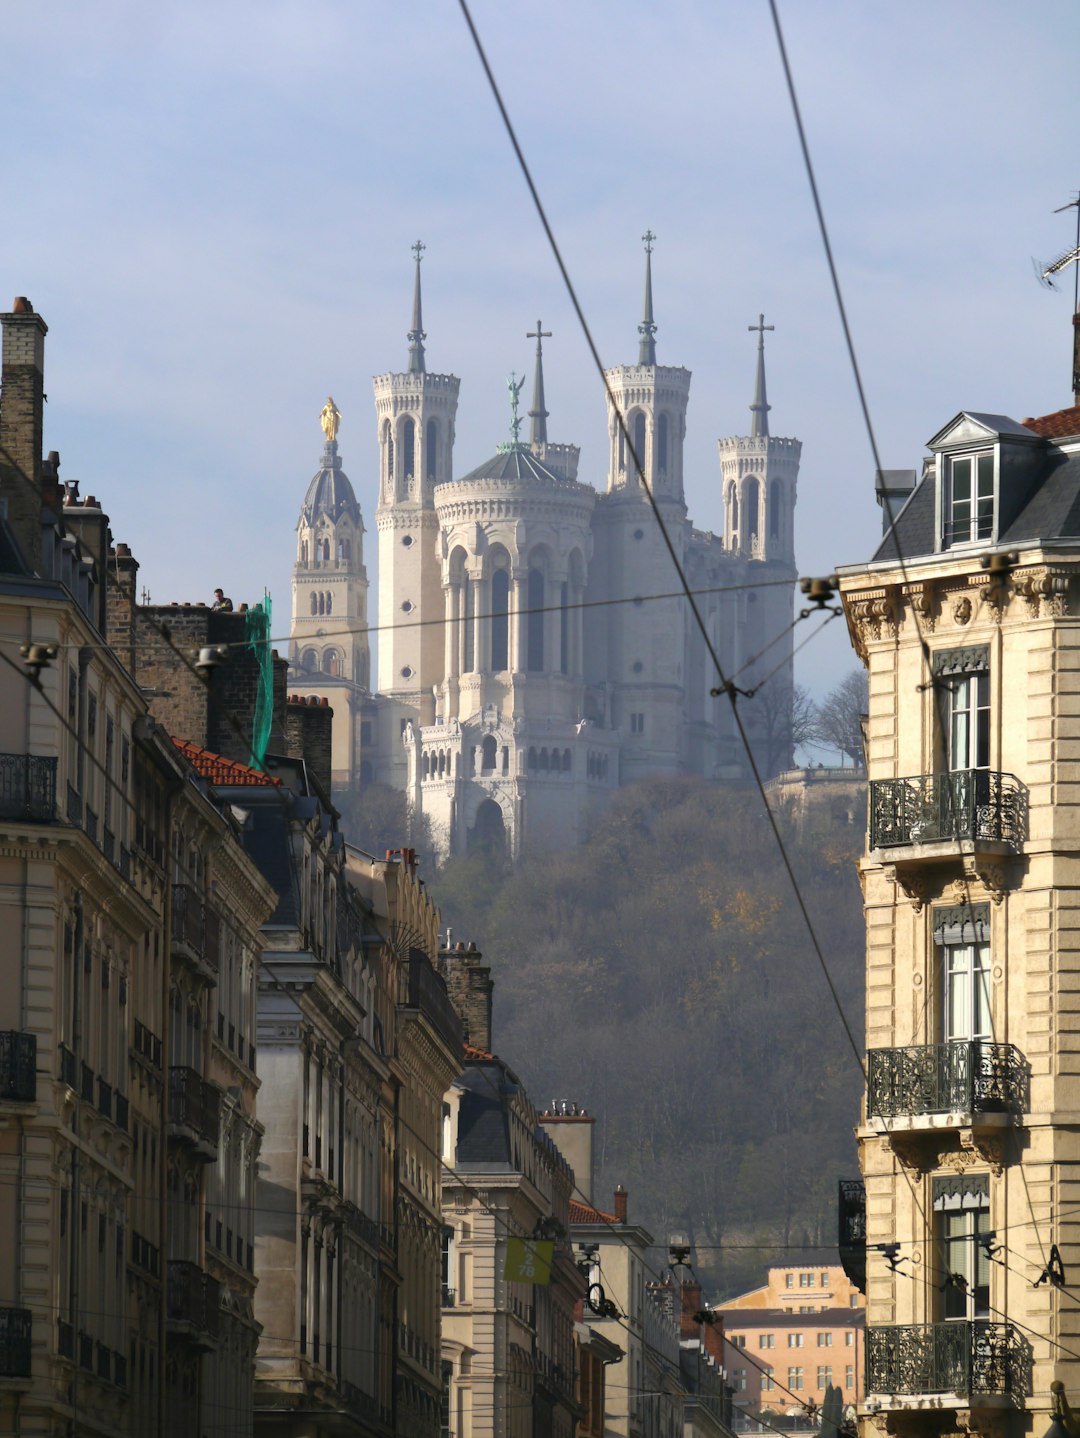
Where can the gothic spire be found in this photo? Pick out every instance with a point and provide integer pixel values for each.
(416, 334)
(538, 414)
(760, 408)
(647, 327)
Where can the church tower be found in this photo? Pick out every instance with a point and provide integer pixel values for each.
(645, 669)
(328, 642)
(415, 413)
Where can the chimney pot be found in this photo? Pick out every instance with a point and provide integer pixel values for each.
(21, 306)
(621, 1200)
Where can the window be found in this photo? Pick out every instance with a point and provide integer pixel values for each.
(536, 617)
(752, 504)
(806, 1308)
(431, 442)
(789, 1280)
(500, 619)
(637, 723)
(740, 1379)
(824, 1340)
(639, 440)
(794, 1340)
(767, 1340)
(775, 499)
(853, 1302)
(849, 1337)
(738, 1340)
(767, 1381)
(962, 1215)
(969, 498)
(806, 1280)
(824, 1375)
(408, 448)
(824, 1280)
(966, 969)
(662, 444)
(849, 1377)
(795, 1379)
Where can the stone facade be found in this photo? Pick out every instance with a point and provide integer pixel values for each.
(522, 678)
(966, 621)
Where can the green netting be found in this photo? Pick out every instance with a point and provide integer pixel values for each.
(257, 634)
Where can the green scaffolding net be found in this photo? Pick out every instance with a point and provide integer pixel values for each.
(257, 634)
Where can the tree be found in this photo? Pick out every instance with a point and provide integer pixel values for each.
(785, 718)
(840, 716)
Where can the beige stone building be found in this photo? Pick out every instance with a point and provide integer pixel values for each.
(966, 621)
(129, 918)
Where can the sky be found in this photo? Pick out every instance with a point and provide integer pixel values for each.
(212, 206)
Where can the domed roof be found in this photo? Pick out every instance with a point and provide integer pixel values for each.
(330, 491)
(518, 462)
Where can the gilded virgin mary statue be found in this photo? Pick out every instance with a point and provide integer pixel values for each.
(330, 418)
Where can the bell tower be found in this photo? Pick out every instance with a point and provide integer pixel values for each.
(415, 413)
(329, 656)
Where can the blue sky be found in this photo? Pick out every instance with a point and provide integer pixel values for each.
(212, 207)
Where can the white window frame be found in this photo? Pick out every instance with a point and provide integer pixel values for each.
(976, 526)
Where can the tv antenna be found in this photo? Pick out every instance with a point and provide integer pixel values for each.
(1045, 273)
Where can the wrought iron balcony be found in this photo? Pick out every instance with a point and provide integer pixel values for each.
(976, 805)
(18, 1067)
(194, 1111)
(14, 1343)
(449, 1296)
(851, 1215)
(195, 928)
(27, 788)
(972, 1078)
(194, 1304)
(971, 1360)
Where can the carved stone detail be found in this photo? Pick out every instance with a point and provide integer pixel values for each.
(1045, 590)
(915, 887)
(963, 610)
(923, 598)
(991, 875)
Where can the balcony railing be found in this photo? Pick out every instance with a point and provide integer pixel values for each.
(965, 1077)
(27, 788)
(194, 1110)
(14, 1343)
(194, 1303)
(195, 926)
(851, 1235)
(978, 805)
(18, 1067)
(974, 1359)
(449, 1296)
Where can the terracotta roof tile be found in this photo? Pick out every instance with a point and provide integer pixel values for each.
(226, 772)
(1059, 425)
(472, 1052)
(583, 1213)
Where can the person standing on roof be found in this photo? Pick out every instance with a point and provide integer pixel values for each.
(220, 602)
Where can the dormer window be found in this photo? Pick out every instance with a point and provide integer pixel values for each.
(969, 498)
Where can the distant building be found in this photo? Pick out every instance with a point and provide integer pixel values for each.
(520, 679)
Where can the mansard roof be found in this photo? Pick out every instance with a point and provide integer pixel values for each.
(330, 492)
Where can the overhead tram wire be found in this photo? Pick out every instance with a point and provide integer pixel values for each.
(725, 685)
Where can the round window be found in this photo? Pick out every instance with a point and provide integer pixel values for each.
(406, 540)
(407, 606)
(639, 534)
(406, 673)
(638, 666)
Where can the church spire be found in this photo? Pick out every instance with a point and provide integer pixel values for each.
(760, 408)
(416, 334)
(647, 327)
(538, 414)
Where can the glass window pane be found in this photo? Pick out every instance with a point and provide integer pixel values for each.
(961, 480)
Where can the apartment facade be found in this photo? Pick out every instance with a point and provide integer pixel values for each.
(966, 621)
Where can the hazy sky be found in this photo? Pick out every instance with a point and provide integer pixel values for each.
(212, 206)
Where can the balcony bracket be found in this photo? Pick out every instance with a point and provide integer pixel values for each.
(912, 883)
(980, 869)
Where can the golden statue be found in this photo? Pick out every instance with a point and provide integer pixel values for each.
(330, 418)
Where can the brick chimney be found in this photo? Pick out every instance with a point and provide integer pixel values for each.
(469, 984)
(22, 393)
(621, 1200)
(86, 519)
(121, 602)
(309, 734)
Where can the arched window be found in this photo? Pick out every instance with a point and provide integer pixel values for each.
(535, 661)
(639, 440)
(425, 766)
(752, 499)
(564, 629)
(506, 759)
(543, 761)
(388, 445)
(431, 440)
(733, 502)
(488, 834)
(775, 504)
(566, 761)
(469, 663)
(326, 550)
(500, 619)
(408, 448)
(532, 758)
(309, 660)
(303, 551)
(489, 750)
(662, 444)
(622, 449)
(331, 662)
(314, 602)
(329, 604)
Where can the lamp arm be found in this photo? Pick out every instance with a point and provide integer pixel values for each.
(1060, 1408)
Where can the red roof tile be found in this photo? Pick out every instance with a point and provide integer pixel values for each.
(219, 770)
(583, 1213)
(472, 1052)
(1059, 425)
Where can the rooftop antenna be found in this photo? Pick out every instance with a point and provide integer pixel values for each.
(1046, 275)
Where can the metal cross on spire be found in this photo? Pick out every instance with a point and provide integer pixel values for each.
(760, 408)
(416, 334)
(647, 327)
(538, 414)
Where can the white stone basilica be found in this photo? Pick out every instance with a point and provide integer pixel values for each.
(525, 668)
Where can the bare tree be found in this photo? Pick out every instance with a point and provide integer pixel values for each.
(840, 716)
(786, 717)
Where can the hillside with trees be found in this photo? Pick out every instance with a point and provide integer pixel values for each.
(662, 977)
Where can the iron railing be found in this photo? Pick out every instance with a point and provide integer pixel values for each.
(970, 1359)
(975, 804)
(970, 1077)
(449, 1296)
(18, 1067)
(15, 1342)
(187, 917)
(851, 1236)
(194, 1301)
(194, 1106)
(74, 804)
(27, 788)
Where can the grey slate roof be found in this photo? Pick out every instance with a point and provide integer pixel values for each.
(483, 1128)
(517, 462)
(330, 491)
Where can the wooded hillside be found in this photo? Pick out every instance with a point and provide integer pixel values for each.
(662, 977)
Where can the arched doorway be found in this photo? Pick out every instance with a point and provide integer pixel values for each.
(488, 834)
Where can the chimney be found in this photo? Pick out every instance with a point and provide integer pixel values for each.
(308, 736)
(621, 1199)
(1076, 359)
(86, 519)
(121, 603)
(892, 487)
(22, 394)
(570, 1128)
(469, 984)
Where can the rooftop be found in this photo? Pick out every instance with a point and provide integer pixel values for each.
(218, 770)
(1062, 424)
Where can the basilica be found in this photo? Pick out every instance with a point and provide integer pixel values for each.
(533, 654)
